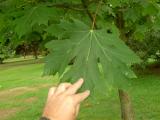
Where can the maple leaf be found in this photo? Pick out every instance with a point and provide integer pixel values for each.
(39, 14)
(101, 58)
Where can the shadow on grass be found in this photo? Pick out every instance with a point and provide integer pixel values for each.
(20, 63)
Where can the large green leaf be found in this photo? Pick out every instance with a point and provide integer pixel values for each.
(101, 58)
(1, 22)
(39, 14)
(55, 31)
(133, 14)
(150, 9)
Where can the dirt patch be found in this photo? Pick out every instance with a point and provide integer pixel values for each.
(150, 69)
(14, 92)
(20, 63)
(155, 71)
(44, 86)
(7, 94)
(30, 100)
(5, 113)
(154, 68)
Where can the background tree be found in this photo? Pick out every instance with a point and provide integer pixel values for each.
(148, 49)
(5, 52)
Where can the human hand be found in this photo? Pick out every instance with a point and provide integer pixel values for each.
(63, 103)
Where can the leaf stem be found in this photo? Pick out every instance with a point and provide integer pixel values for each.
(85, 5)
(95, 15)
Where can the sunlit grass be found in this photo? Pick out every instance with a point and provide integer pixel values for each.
(145, 94)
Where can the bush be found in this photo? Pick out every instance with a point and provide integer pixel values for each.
(5, 52)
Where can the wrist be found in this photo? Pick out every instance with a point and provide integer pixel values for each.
(47, 118)
(47, 115)
(44, 118)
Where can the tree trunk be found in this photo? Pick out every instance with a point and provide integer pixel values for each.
(25, 50)
(126, 107)
(1, 60)
(35, 52)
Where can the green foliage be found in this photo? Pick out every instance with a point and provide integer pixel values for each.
(5, 52)
(97, 54)
(39, 14)
(150, 47)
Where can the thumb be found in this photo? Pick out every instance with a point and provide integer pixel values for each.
(51, 92)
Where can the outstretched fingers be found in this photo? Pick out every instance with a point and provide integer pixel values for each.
(62, 88)
(74, 88)
(51, 92)
(78, 98)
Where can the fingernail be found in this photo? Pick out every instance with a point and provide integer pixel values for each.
(81, 79)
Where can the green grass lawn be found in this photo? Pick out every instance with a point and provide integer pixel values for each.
(23, 93)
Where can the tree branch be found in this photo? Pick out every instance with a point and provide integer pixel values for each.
(88, 12)
(77, 7)
(95, 15)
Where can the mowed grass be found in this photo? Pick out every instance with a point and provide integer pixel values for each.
(23, 93)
